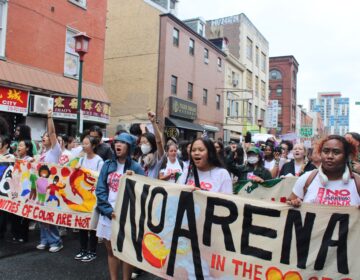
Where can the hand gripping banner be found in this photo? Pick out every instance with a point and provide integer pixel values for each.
(174, 231)
(59, 195)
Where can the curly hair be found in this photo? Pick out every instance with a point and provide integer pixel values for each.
(350, 149)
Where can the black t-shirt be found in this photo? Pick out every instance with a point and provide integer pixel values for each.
(104, 151)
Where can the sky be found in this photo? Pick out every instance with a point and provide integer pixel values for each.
(323, 36)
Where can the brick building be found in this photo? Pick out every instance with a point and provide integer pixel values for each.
(161, 64)
(282, 85)
(39, 61)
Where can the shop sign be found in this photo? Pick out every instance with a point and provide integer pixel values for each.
(14, 100)
(182, 108)
(66, 107)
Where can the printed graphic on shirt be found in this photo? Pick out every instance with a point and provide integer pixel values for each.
(113, 181)
(333, 197)
(250, 176)
(203, 185)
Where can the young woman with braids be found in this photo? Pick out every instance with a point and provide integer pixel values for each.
(205, 170)
(333, 183)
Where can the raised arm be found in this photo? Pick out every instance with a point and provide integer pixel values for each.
(157, 133)
(51, 129)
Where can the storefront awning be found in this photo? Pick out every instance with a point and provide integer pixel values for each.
(183, 124)
(35, 79)
(210, 128)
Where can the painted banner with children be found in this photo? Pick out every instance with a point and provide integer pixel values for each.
(273, 190)
(49, 193)
(175, 231)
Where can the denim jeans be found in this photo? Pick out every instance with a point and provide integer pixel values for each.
(49, 235)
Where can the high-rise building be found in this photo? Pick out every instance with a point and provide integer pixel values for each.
(39, 63)
(283, 88)
(251, 49)
(334, 111)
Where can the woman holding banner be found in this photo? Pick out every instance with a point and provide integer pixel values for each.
(20, 225)
(333, 183)
(94, 162)
(106, 193)
(206, 171)
(49, 234)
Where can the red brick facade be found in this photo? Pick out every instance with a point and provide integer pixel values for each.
(284, 89)
(36, 33)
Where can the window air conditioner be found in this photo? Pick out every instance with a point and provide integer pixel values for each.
(40, 104)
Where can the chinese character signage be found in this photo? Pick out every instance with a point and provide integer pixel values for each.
(272, 112)
(14, 100)
(66, 107)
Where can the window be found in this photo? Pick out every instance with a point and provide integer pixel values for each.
(81, 3)
(3, 23)
(201, 29)
(205, 96)
(175, 37)
(206, 56)
(262, 90)
(249, 49)
(257, 56)
(219, 62)
(263, 62)
(249, 115)
(279, 90)
(172, 4)
(256, 113)
(217, 102)
(256, 85)
(190, 91)
(249, 81)
(71, 63)
(262, 114)
(279, 108)
(275, 75)
(191, 47)
(173, 85)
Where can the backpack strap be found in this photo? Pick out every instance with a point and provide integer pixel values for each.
(309, 180)
(181, 164)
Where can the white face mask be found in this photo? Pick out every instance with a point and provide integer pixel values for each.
(252, 160)
(145, 148)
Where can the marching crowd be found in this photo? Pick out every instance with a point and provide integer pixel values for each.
(332, 163)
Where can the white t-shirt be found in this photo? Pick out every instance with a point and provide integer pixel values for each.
(94, 163)
(65, 157)
(113, 183)
(171, 168)
(335, 193)
(297, 168)
(77, 151)
(52, 155)
(214, 180)
(269, 165)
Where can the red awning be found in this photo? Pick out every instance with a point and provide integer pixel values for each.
(39, 80)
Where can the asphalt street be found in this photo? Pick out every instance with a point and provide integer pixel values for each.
(24, 261)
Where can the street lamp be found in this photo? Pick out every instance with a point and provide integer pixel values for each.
(260, 123)
(81, 47)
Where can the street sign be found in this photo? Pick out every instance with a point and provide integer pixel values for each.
(306, 132)
(357, 102)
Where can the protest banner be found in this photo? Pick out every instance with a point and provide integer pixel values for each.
(177, 232)
(59, 195)
(275, 190)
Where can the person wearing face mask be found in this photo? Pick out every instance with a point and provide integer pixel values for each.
(152, 150)
(253, 170)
